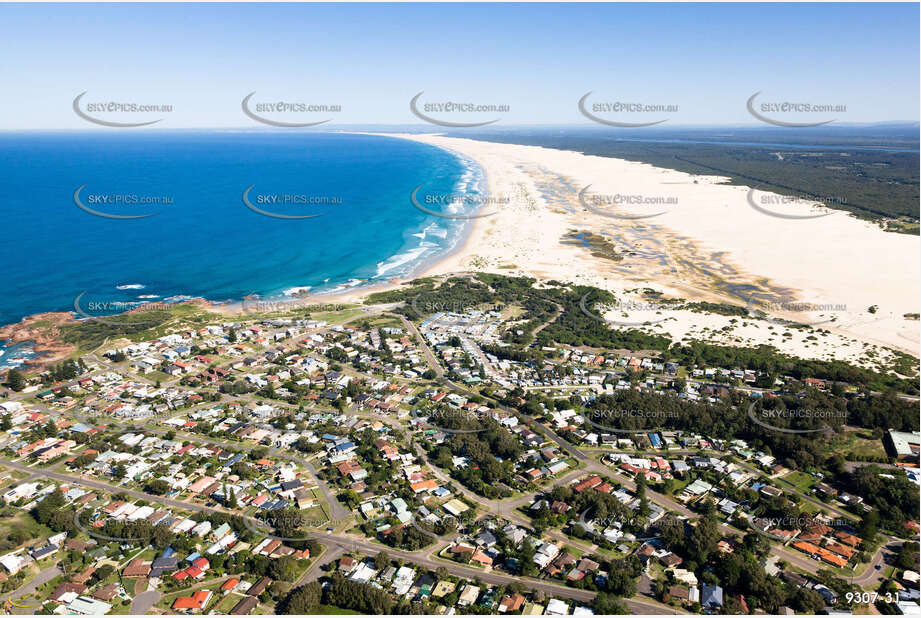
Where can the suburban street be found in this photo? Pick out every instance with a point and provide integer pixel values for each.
(338, 543)
(13, 598)
(592, 465)
(348, 543)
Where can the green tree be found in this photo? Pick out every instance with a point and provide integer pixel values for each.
(157, 487)
(641, 494)
(162, 537)
(671, 529)
(15, 380)
(703, 539)
(283, 568)
(47, 507)
(868, 526)
(606, 603)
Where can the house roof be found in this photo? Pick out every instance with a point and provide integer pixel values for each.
(196, 601)
(711, 596)
(136, 568)
(245, 606)
(106, 593)
(259, 587)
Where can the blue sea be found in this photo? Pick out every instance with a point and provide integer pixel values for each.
(15, 355)
(204, 240)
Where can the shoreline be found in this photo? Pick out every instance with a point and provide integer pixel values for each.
(718, 248)
(711, 247)
(47, 348)
(45, 352)
(432, 266)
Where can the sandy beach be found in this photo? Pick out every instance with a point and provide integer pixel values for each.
(707, 241)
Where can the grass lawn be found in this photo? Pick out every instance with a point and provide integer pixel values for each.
(611, 553)
(227, 603)
(158, 376)
(120, 606)
(336, 317)
(332, 609)
(306, 564)
(842, 573)
(441, 556)
(385, 322)
(321, 505)
(800, 480)
(857, 445)
(678, 485)
(575, 551)
(20, 520)
(656, 570)
(809, 507)
(147, 554)
(11, 476)
(315, 516)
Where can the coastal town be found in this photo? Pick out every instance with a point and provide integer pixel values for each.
(316, 308)
(447, 458)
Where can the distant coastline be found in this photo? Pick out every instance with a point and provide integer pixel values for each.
(712, 247)
(451, 237)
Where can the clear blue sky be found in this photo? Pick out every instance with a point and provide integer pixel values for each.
(538, 59)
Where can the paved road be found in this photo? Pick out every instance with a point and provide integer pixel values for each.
(357, 544)
(506, 508)
(592, 465)
(871, 576)
(430, 358)
(314, 571)
(44, 576)
(559, 312)
(345, 543)
(102, 486)
(336, 509)
(637, 606)
(790, 487)
(144, 601)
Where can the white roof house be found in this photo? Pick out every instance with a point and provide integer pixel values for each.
(556, 607)
(468, 595)
(202, 529)
(12, 563)
(88, 607)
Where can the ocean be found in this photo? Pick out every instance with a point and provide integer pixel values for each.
(203, 239)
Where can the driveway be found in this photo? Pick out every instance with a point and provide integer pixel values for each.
(144, 601)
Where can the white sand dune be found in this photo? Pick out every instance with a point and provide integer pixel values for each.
(710, 244)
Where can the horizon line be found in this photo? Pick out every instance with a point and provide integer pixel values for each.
(386, 126)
